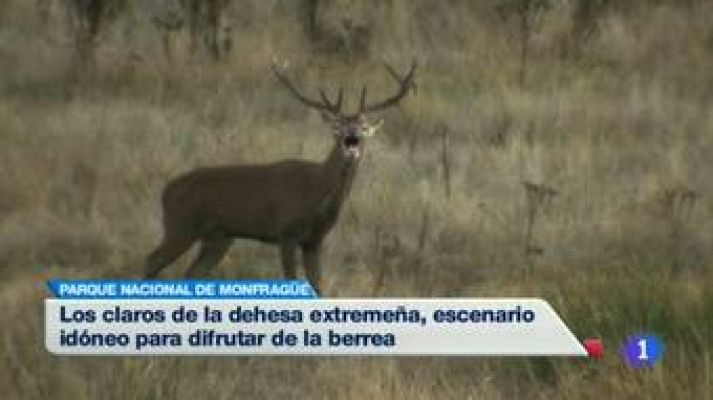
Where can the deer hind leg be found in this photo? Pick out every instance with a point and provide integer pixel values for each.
(167, 252)
(310, 253)
(212, 251)
(289, 260)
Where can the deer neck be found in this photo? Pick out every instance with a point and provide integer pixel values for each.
(338, 173)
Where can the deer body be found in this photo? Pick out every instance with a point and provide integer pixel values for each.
(292, 200)
(291, 203)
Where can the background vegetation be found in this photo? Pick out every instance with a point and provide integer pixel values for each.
(559, 149)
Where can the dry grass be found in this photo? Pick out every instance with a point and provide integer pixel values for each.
(615, 122)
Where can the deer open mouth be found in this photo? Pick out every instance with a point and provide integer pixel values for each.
(351, 146)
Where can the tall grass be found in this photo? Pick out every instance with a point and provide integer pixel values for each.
(612, 120)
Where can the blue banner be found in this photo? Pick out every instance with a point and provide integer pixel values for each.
(181, 289)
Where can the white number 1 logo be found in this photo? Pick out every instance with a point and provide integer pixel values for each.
(643, 355)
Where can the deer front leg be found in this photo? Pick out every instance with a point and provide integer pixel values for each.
(289, 260)
(310, 253)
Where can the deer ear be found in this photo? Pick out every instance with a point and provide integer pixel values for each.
(373, 128)
(332, 120)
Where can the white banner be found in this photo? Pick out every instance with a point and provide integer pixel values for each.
(490, 327)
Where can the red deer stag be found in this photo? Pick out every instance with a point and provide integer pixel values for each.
(291, 203)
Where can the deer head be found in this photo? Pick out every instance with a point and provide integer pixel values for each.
(350, 130)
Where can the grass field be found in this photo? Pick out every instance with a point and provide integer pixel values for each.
(617, 119)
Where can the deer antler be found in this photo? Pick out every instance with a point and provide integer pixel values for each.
(405, 83)
(324, 104)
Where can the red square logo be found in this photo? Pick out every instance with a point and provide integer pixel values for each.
(594, 347)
